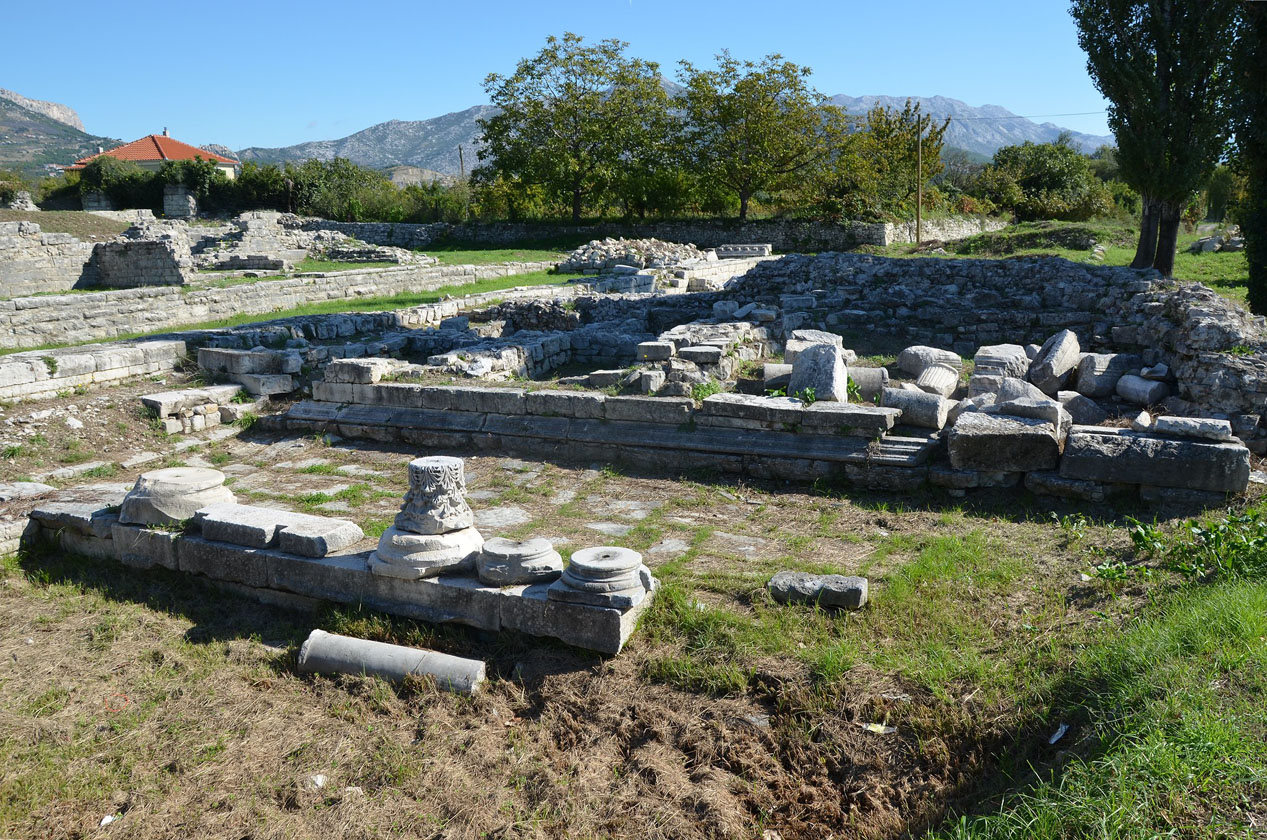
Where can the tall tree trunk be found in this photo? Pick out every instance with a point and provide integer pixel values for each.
(1148, 225)
(576, 205)
(744, 195)
(1253, 219)
(1167, 236)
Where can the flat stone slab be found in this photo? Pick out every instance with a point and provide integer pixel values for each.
(842, 591)
(1201, 428)
(506, 516)
(1132, 458)
(294, 533)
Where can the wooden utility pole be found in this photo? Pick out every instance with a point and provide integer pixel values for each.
(919, 179)
(461, 163)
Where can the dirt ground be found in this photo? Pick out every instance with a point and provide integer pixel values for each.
(174, 708)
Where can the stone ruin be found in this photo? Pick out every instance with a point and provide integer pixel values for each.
(431, 564)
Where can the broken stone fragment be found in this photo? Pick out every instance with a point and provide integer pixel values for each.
(820, 368)
(914, 359)
(504, 562)
(928, 411)
(1201, 428)
(842, 591)
(1139, 391)
(997, 443)
(1055, 362)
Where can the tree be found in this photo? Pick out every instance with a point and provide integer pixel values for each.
(756, 126)
(1163, 66)
(1251, 139)
(569, 116)
(1045, 181)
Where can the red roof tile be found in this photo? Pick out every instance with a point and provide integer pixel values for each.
(155, 147)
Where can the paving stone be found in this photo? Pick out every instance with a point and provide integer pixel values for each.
(506, 516)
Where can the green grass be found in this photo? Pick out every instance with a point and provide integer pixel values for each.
(331, 307)
(75, 222)
(489, 256)
(1168, 726)
(312, 264)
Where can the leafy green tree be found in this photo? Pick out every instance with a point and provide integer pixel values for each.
(1250, 78)
(127, 184)
(756, 126)
(12, 182)
(1045, 181)
(570, 117)
(1163, 66)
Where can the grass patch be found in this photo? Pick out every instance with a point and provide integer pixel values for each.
(75, 222)
(457, 256)
(1167, 722)
(332, 307)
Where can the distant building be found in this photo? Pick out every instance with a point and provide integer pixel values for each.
(153, 150)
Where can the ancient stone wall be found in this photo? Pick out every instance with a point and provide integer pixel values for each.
(47, 373)
(783, 234)
(179, 202)
(33, 262)
(132, 263)
(52, 319)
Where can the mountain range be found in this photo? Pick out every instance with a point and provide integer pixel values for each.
(34, 134)
(433, 144)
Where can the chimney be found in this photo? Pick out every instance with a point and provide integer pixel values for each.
(165, 134)
(100, 150)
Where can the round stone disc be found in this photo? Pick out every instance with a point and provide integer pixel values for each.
(180, 480)
(604, 562)
(504, 550)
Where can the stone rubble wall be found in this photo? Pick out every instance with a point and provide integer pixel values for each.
(134, 263)
(33, 262)
(55, 319)
(783, 234)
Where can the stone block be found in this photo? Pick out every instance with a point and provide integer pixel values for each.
(318, 536)
(1083, 410)
(488, 400)
(928, 411)
(702, 355)
(1098, 373)
(655, 351)
(767, 410)
(1139, 391)
(650, 381)
(820, 368)
(1001, 360)
(144, 548)
(669, 410)
(864, 420)
(245, 525)
(222, 561)
(800, 339)
(264, 385)
(870, 381)
(1200, 428)
(1139, 459)
(1056, 361)
(842, 591)
(995, 443)
(938, 379)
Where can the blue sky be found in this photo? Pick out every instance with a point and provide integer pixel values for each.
(272, 73)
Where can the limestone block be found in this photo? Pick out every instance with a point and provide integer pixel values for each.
(969, 404)
(674, 410)
(768, 410)
(1050, 483)
(171, 496)
(1139, 391)
(776, 376)
(605, 576)
(260, 384)
(724, 309)
(1142, 422)
(1055, 362)
(702, 355)
(820, 368)
(913, 360)
(1083, 410)
(1201, 428)
(318, 536)
(938, 379)
(1001, 360)
(1098, 373)
(1138, 459)
(144, 548)
(800, 339)
(245, 525)
(1049, 410)
(996, 443)
(845, 592)
(1017, 389)
(925, 410)
(865, 420)
(504, 562)
(651, 381)
(655, 351)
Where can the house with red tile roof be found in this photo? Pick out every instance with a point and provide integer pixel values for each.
(153, 150)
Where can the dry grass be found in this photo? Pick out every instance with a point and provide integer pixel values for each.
(154, 696)
(85, 226)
